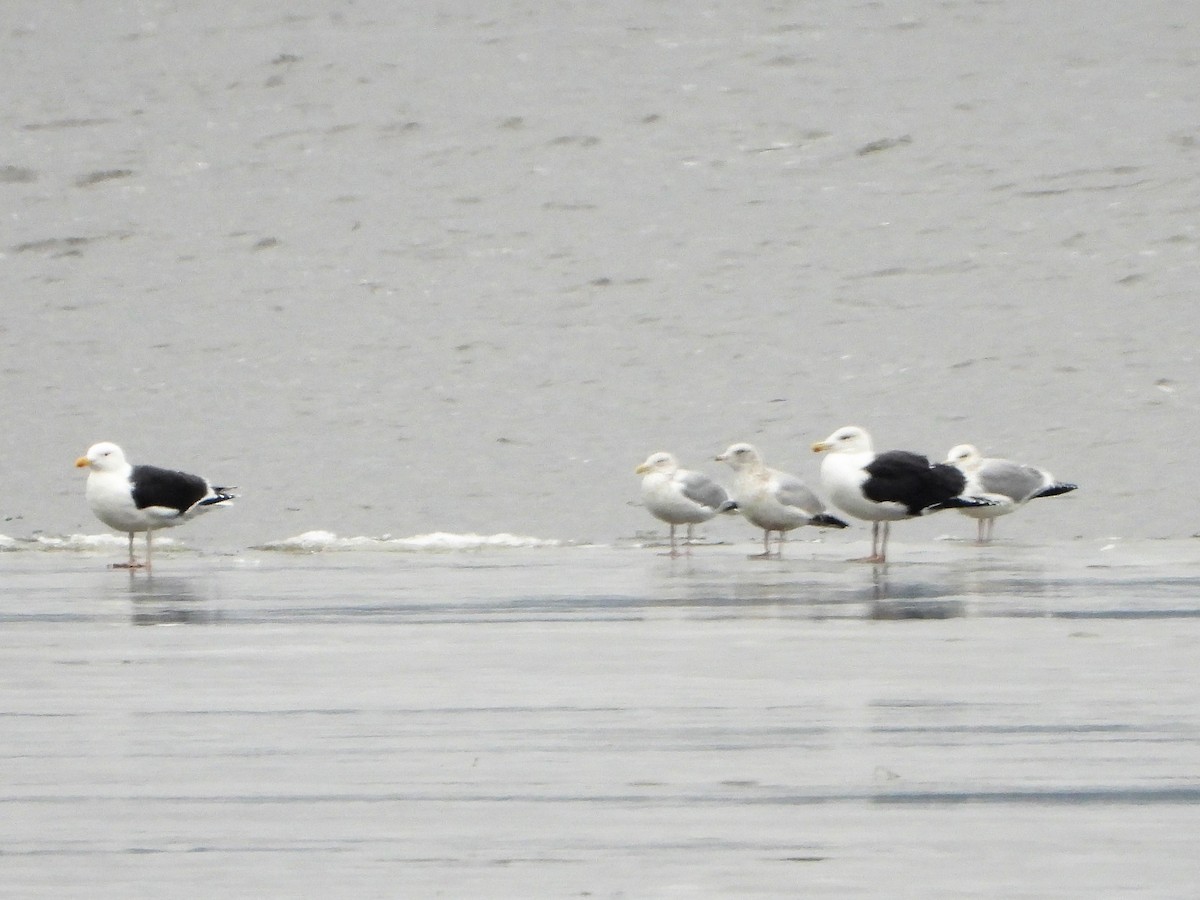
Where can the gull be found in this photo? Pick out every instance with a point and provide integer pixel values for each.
(887, 487)
(773, 500)
(1011, 485)
(680, 496)
(132, 498)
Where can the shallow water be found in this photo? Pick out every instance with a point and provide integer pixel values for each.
(1009, 721)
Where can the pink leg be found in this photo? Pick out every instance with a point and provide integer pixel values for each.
(878, 545)
(766, 554)
(133, 563)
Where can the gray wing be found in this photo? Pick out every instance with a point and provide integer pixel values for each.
(794, 492)
(999, 476)
(699, 488)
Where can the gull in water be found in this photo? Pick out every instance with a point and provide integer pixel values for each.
(773, 500)
(680, 496)
(886, 487)
(1011, 485)
(143, 498)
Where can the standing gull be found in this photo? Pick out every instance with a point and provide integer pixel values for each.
(680, 496)
(887, 487)
(143, 498)
(773, 500)
(1010, 485)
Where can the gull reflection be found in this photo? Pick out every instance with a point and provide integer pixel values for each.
(168, 600)
(895, 599)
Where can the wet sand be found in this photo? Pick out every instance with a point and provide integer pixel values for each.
(1012, 721)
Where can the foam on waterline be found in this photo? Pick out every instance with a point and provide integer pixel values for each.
(326, 541)
(83, 543)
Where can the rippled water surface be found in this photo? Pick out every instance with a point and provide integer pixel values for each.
(1011, 721)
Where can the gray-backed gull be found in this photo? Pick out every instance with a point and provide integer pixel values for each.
(680, 496)
(1011, 485)
(773, 500)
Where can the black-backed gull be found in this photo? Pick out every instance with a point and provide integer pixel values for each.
(143, 498)
(887, 487)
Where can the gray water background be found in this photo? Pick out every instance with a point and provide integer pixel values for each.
(401, 268)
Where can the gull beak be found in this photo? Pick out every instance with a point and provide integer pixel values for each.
(720, 458)
(641, 470)
(820, 447)
(82, 462)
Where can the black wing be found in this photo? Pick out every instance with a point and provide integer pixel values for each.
(908, 478)
(153, 486)
(1053, 490)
